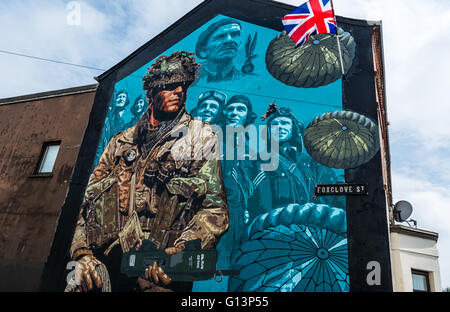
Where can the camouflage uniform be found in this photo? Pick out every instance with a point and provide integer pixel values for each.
(162, 183)
(160, 212)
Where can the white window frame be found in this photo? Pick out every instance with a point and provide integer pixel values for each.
(44, 155)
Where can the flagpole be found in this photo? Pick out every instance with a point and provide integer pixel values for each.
(338, 42)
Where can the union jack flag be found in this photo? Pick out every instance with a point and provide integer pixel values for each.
(312, 17)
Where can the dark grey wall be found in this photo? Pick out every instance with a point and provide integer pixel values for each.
(30, 204)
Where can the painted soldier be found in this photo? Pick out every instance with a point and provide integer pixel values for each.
(114, 120)
(237, 174)
(159, 180)
(218, 46)
(209, 106)
(138, 108)
(297, 174)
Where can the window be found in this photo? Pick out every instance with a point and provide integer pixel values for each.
(421, 282)
(48, 157)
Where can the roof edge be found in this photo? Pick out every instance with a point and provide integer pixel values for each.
(401, 229)
(357, 21)
(48, 94)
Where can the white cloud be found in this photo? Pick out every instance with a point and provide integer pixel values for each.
(108, 32)
(417, 63)
(148, 19)
(40, 29)
(430, 209)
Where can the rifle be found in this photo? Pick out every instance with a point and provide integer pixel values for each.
(191, 264)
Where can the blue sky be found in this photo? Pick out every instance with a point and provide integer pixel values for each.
(416, 63)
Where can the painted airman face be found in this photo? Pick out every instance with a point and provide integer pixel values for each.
(140, 106)
(224, 43)
(236, 114)
(208, 110)
(121, 99)
(284, 126)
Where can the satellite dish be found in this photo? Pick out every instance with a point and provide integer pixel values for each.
(402, 211)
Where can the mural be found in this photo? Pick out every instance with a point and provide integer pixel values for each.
(205, 173)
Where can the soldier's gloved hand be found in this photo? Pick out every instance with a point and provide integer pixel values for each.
(86, 275)
(154, 273)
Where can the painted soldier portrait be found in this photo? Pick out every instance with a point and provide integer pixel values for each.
(238, 111)
(209, 106)
(297, 174)
(217, 48)
(153, 186)
(238, 175)
(137, 109)
(114, 121)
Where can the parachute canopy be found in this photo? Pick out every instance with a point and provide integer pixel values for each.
(342, 139)
(313, 64)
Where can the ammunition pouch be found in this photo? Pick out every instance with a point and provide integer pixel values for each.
(191, 189)
(187, 187)
(102, 211)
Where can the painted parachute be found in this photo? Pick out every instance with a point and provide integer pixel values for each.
(342, 139)
(314, 64)
(300, 248)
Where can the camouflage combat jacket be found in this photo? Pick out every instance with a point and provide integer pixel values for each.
(190, 205)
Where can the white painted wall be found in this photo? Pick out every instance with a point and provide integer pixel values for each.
(412, 252)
